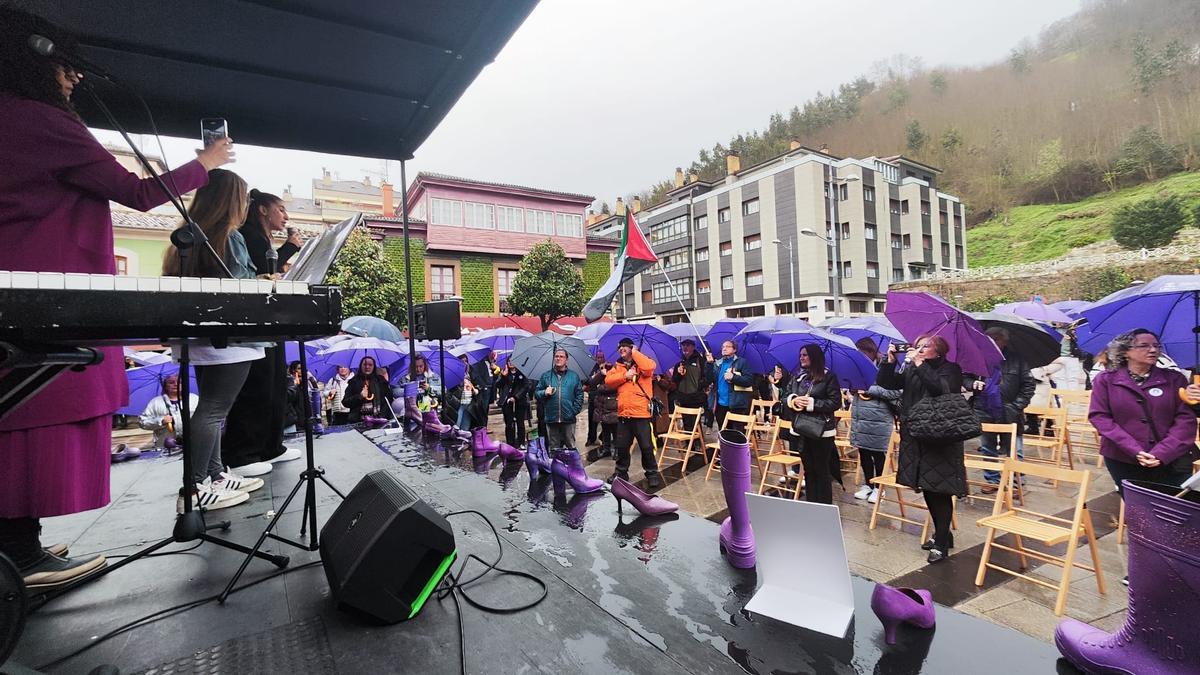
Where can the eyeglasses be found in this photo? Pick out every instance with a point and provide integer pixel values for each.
(1154, 346)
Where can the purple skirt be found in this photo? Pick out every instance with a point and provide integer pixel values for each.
(55, 470)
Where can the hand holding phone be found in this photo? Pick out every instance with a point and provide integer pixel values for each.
(213, 130)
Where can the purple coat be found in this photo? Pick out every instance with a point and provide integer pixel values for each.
(55, 187)
(1119, 412)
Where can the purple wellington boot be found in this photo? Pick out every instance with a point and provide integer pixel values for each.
(1161, 634)
(412, 414)
(737, 537)
(567, 467)
(895, 606)
(481, 445)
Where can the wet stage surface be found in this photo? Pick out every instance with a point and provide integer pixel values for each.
(626, 594)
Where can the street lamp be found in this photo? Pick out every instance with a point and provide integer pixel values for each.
(834, 182)
(791, 269)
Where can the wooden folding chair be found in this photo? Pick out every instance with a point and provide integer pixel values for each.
(760, 412)
(679, 442)
(1054, 421)
(888, 480)
(980, 462)
(1050, 530)
(746, 421)
(1079, 436)
(778, 455)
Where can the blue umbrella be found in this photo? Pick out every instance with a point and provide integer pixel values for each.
(146, 382)
(853, 369)
(721, 331)
(1034, 311)
(472, 350)
(349, 353)
(648, 339)
(877, 328)
(683, 331)
(1071, 307)
(754, 340)
(372, 326)
(1168, 305)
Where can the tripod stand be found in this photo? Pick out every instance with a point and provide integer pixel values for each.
(308, 480)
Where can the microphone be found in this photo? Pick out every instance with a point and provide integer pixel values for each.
(45, 46)
(272, 257)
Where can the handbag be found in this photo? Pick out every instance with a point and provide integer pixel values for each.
(808, 425)
(946, 418)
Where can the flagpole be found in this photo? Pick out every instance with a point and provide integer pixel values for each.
(671, 285)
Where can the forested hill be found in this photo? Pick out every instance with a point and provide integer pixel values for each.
(1104, 99)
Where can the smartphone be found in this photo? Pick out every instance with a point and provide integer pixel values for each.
(903, 347)
(213, 129)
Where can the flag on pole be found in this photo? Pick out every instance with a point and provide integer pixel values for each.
(635, 255)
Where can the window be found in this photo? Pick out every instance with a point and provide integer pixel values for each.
(750, 207)
(945, 250)
(445, 212)
(703, 287)
(510, 219)
(441, 282)
(869, 231)
(880, 305)
(858, 306)
(845, 231)
(701, 222)
(904, 207)
(847, 270)
(663, 293)
(927, 242)
(894, 206)
(914, 272)
(943, 219)
(479, 216)
(122, 265)
(843, 192)
(800, 307)
(701, 254)
(754, 278)
(896, 241)
(897, 274)
(746, 312)
(958, 221)
(752, 243)
(829, 269)
(726, 248)
(723, 215)
(868, 193)
(539, 222)
(671, 262)
(829, 306)
(647, 297)
(504, 282)
(568, 225)
(924, 208)
(907, 242)
(669, 230)
(727, 283)
(872, 270)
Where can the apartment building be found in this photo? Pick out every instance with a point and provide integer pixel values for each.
(762, 241)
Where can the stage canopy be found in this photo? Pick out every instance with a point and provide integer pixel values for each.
(371, 78)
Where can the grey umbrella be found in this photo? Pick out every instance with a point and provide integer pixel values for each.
(1035, 345)
(534, 354)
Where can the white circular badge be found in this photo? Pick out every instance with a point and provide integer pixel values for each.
(1155, 392)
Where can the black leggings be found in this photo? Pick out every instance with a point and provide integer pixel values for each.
(872, 464)
(941, 510)
(514, 426)
(820, 466)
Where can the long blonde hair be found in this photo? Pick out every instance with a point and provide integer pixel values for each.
(218, 208)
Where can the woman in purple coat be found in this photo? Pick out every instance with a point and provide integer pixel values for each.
(55, 189)
(1146, 431)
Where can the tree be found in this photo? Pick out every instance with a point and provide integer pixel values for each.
(1095, 284)
(897, 96)
(1150, 223)
(1018, 61)
(370, 286)
(548, 286)
(1144, 151)
(915, 137)
(937, 82)
(1050, 166)
(1196, 216)
(952, 140)
(987, 303)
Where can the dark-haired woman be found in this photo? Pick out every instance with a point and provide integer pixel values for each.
(368, 392)
(933, 468)
(815, 392)
(56, 182)
(513, 392)
(253, 437)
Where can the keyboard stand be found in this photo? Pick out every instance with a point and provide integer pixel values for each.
(31, 371)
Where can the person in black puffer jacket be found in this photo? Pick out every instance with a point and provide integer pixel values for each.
(605, 400)
(933, 468)
(872, 421)
(816, 391)
(514, 390)
(1001, 399)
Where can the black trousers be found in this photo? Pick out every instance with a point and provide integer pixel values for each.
(723, 410)
(254, 427)
(19, 541)
(607, 435)
(817, 453)
(628, 429)
(514, 426)
(1160, 474)
(941, 511)
(593, 421)
(872, 464)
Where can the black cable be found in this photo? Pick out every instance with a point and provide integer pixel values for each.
(164, 613)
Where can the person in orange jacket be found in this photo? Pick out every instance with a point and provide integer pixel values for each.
(632, 375)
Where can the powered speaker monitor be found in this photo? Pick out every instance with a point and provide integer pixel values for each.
(437, 320)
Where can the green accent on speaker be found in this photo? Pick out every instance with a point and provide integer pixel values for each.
(433, 582)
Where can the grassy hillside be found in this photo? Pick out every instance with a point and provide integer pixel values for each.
(1046, 231)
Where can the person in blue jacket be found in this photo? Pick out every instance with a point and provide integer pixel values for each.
(733, 383)
(561, 394)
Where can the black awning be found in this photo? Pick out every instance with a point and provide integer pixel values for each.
(355, 77)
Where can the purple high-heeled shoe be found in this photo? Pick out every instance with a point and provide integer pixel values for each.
(509, 453)
(567, 467)
(895, 606)
(646, 504)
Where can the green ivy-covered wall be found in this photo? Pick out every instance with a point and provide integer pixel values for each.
(478, 284)
(596, 270)
(393, 250)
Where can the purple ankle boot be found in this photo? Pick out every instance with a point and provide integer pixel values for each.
(412, 414)
(567, 467)
(1161, 634)
(481, 444)
(737, 537)
(510, 454)
(434, 425)
(895, 606)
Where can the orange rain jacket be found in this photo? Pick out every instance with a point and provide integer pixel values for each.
(633, 401)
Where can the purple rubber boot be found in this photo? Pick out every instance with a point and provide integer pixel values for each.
(567, 467)
(895, 606)
(737, 537)
(1161, 634)
(412, 414)
(481, 445)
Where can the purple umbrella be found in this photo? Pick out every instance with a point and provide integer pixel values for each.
(591, 333)
(472, 350)
(753, 340)
(648, 339)
(146, 382)
(683, 331)
(721, 331)
(501, 340)
(456, 370)
(349, 353)
(1034, 311)
(146, 357)
(1168, 305)
(917, 314)
(876, 328)
(853, 369)
(1070, 307)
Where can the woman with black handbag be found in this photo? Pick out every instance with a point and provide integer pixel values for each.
(933, 426)
(814, 396)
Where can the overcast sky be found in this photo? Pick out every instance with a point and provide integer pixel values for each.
(605, 98)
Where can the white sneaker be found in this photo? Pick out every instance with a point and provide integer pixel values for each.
(864, 491)
(252, 469)
(873, 498)
(209, 498)
(288, 455)
(231, 481)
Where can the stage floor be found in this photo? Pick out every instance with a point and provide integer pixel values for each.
(626, 595)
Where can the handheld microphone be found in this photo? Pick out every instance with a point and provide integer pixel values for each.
(45, 46)
(272, 257)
